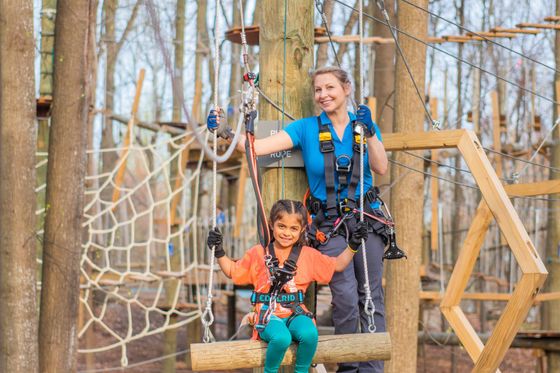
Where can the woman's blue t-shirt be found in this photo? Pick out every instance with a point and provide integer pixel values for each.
(305, 136)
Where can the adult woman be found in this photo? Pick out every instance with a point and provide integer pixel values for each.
(329, 147)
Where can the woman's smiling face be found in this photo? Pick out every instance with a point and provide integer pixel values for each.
(330, 93)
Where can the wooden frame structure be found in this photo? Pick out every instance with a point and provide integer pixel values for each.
(496, 203)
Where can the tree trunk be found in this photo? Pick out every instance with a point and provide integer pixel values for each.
(172, 285)
(289, 183)
(403, 281)
(66, 172)
(551, 314)
(458, 199)
(384, 81)
(18, 136)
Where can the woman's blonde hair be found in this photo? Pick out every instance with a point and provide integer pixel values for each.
(340, 74)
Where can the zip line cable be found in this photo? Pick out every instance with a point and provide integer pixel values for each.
(474, 33)
(321, 10)
(381, 5)
(453, 56)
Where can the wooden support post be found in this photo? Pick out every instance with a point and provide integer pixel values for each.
(251, 354)
(403, 281)
(496, 133)
(127, 138)
(240, 201)
(434, 187)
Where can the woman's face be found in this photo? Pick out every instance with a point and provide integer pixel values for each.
(330, 93)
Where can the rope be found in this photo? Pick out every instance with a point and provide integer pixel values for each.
(177, 90)
(207, 317)
(320, 9)
(369, 306)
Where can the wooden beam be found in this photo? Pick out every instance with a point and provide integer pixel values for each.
(533, 189)
(353, 39)
(240, 201)
(538, 25)
(434, 186)
(496, 119)
(251, 354)
(467, 256)
(436, 296)
(552, 19)
(461, 38)
(492, 34)
(126, 143)
(422, 140)
(515, 30)
(464, 330)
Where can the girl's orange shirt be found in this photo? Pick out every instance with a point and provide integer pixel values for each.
(311, 266)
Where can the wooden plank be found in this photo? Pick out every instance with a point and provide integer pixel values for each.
(179, 180)
(251, 354)
(126, 143)
(464, 331)
(422, 140)
(372, 104)
(552, 19)
(496, 132)
(493, 34)
(434, 186)
(507, 326)
(353, 39)
(538, 25)
(533, 189)
(240, 201)
(467, 256)
(515, 30)
(500, 205)
(436, 296)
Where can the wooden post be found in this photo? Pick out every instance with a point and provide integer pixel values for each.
(277, 182)
(496, 132)
(434, 186)
(384, 84)
(119, 178)
(402, 275)
(296, 94)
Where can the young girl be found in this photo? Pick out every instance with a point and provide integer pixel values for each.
(280, 274)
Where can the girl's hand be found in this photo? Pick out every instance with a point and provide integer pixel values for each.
(215, 239)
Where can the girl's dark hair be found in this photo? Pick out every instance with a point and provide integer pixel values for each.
(287, 206)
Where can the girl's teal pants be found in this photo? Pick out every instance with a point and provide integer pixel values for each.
(279, 336)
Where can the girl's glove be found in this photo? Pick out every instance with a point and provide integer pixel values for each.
(215, 239)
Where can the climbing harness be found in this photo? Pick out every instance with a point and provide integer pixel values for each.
(278, 278)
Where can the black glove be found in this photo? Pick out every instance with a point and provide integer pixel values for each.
(215, 239)
(359, 232)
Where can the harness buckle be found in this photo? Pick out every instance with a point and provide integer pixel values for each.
(325, 142)
(343, 164)
(372, 194)
(344, 207)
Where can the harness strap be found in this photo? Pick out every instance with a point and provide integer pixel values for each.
(326, 146)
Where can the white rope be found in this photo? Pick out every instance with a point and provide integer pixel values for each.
(207, 317)
(369, 306)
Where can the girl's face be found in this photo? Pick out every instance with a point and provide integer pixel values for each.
(330, 93)
(287, 230)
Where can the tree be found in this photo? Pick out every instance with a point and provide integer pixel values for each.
(65, 190)
(551, 316)
(18, 136)
(407, 197)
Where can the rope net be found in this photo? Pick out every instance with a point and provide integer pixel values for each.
(143, 265)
